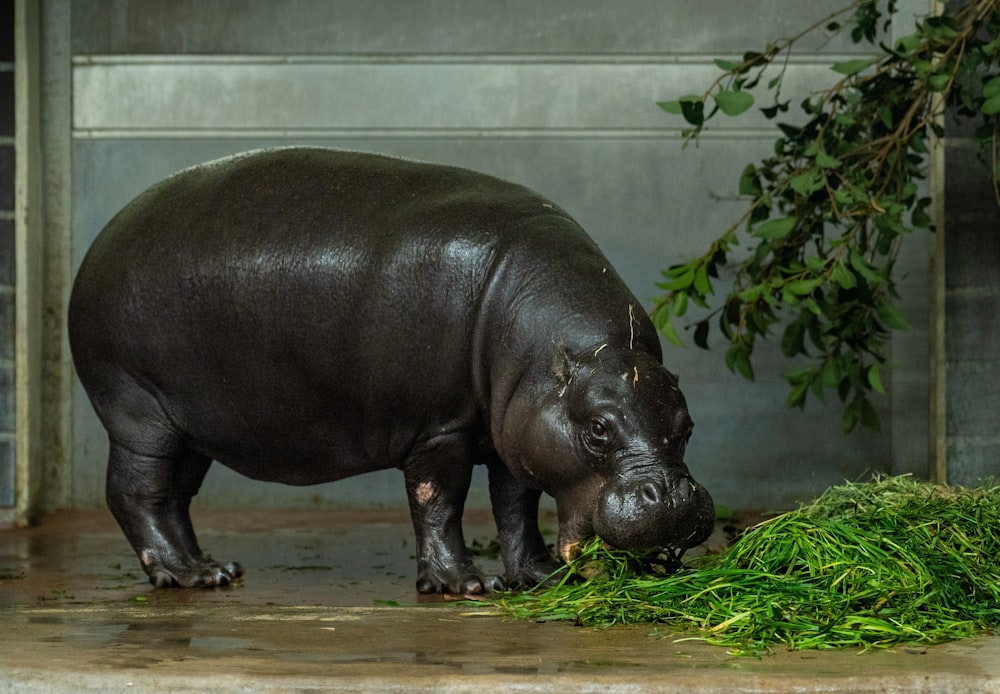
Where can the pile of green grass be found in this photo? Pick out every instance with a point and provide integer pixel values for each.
(865, 565)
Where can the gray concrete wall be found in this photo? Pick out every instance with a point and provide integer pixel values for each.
(557, 95)
(972, 305)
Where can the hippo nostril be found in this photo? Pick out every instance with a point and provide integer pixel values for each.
(683, 490)
(652, 493)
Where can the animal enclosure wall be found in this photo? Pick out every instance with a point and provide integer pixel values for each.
(559, 96)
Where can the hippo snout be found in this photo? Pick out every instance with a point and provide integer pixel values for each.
(672, 511)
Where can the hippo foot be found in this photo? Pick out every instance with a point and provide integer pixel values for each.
(201, 573)
(458, 583)
(544, 573)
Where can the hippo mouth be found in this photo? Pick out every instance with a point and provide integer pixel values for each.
(638, 517)
(649, 514)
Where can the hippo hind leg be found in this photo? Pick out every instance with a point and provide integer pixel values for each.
(150, 497)
(152, 477)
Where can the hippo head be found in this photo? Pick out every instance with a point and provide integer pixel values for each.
(608, 443)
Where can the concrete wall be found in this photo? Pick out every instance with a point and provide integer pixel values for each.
(558, 95)
(972, 305)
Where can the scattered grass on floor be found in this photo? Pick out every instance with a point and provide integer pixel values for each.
(866, 565)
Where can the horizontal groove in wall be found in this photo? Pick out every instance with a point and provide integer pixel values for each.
(405, 133)
(982, 366)
(822, 59)
(973, 291)
(975, 440)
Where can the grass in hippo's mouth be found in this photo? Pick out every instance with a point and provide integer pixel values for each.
(866, 565)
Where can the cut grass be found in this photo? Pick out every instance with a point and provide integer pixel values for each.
(866, 565)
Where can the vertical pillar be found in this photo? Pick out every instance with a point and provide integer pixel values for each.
(8, 406)
(28, 255)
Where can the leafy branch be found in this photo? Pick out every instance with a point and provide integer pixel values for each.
(828, 211)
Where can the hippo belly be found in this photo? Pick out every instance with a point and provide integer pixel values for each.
(305, 315)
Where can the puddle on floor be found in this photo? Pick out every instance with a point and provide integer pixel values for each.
(315, 607)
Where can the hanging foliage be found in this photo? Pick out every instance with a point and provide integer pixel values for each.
(829, 209)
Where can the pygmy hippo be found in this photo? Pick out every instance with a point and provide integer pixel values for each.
(302, 315)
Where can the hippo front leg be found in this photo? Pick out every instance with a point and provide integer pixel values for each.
(527, 561)
(437, 483)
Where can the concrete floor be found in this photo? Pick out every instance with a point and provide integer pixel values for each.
(311, 615)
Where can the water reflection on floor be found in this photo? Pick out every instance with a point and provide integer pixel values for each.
(328, 603)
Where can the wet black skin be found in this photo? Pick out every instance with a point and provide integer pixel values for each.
(304, 315)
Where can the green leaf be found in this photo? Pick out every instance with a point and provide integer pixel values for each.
(891, 316)
(797, 396)
(885, 116)
(664, 323)
(803, 287)
(816, 264)
(751, 293)
(843, 277)
(807, 182)
(661, 316)
(938, 83)
(875, 380)
(863, 268)
(848, 420)
(992, 105)
(693, 112)
(749, 184)
(909, 43)
(701, 283)
(843, 196)
(775, 228)
(727, 65)
(991, 88)
(668, 331)
(701, 334)
(830, 374)
(793, 340)
(852, 67)
(733, 102)
(738, 361)
(680, 304)
(790, 131)
(681, 279)
(827, 161)
(869, 417)
(690, 107)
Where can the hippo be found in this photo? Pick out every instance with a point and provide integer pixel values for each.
(302, 315)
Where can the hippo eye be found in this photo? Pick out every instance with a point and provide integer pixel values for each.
(598, 430)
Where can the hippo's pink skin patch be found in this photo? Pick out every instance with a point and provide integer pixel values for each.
(425, 492)
(147, 557)
(569, 551)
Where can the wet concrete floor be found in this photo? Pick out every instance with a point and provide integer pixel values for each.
(328, 604)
